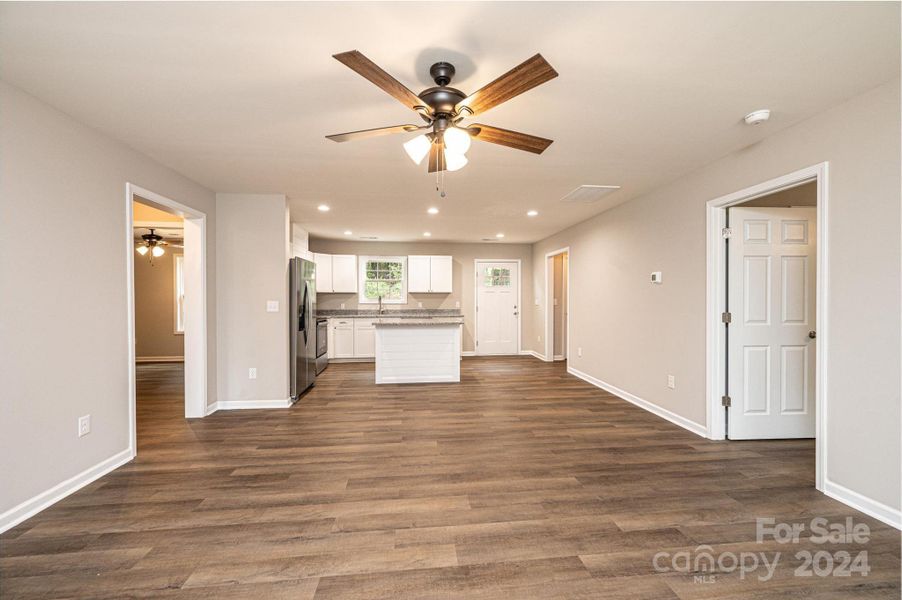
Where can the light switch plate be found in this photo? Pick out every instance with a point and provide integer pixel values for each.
(252, 373)
(671, 381)
(272, 306)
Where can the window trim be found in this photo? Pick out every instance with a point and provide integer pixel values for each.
(176, 259)
(361, 279)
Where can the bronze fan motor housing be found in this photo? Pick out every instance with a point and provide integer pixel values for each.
(443, 106)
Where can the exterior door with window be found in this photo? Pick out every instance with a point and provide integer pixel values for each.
(772, 301)
(497, 307)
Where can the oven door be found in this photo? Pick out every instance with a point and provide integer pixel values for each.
(322, 343)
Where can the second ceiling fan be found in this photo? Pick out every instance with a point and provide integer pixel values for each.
(443, 108)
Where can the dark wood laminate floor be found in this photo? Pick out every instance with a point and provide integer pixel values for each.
(520, 482)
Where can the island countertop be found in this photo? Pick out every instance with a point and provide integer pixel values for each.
(417, 322)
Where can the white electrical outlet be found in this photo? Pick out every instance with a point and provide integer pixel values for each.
(579, 352)
(671, 381)
(419, 305)
(457, 304)
(342, 306)
(538, 337)
(272, 306)
(84, 425)
(252, 373)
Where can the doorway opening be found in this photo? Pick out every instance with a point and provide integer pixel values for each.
(166, 291)
(766, 306)
(557, 305)
(497, 306)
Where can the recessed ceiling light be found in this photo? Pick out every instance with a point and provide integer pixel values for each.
(532, 213)
(349, 232)
(433, 211)
(427, 234)
(499, 235)
(323, 208)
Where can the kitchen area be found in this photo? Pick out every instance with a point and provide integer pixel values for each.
(406, 345)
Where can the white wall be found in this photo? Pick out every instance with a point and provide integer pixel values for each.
(634, 333)
(63, 313)
(252, 239)
(463, 275)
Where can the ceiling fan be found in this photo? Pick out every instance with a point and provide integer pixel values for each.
(153, 243)
(443, 108)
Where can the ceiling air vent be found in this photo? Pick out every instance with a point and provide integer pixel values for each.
(368, 237)
(586, 194)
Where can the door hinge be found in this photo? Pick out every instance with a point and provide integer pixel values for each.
(726, 232)
(726, 317)
(726, 401)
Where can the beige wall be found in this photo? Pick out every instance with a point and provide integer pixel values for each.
(801, 195)
(155, 307)
(463, 274)
(252, 267)
(63, 314)
(633, 334)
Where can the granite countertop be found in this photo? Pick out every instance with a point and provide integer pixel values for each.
(407, 314)
(419, 322)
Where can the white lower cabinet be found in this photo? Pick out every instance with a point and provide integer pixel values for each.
(352, 338)
(364, 338)
(341, 338)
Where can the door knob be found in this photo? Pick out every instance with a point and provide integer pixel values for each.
(812, 334)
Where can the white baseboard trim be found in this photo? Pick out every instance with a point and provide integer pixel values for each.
(532, 353)
(33, 506)
(247, 404)
(889, 515)
(674, 418)
(152, 359)
(468, 353)
(558, 357)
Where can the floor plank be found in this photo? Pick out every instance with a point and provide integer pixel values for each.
(520, 482)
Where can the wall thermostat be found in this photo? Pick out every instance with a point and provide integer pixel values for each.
(656, 277)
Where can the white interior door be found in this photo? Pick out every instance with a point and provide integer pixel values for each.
(772, 300)
(497, 307)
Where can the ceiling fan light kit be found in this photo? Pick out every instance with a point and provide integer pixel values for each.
(153, 243)
(442, 107)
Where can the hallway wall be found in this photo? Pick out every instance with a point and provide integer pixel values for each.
(633, 333)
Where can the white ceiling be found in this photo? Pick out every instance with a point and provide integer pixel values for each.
(238, 96)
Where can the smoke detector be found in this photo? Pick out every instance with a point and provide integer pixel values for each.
(757, 117)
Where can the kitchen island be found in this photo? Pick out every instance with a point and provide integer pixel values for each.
(416, 350)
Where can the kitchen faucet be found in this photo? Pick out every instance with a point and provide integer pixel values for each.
(380, 305)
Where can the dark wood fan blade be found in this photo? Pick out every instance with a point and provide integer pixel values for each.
(356, 61)
(368, 133)
(521, 78)
(436, 158)
(511, 139)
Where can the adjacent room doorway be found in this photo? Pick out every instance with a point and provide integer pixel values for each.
(193, 310)
(497, 307)
(557, 305)
(767, 336)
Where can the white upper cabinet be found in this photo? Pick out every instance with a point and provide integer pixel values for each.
(344, 273)
(441, 274)
(429, 274)
(418, 274)
(336, 273)
(323, 272)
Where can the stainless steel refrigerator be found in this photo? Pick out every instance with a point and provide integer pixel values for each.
(302, 278)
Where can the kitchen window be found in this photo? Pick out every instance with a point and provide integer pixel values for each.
(179, 288)
(384, 276)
